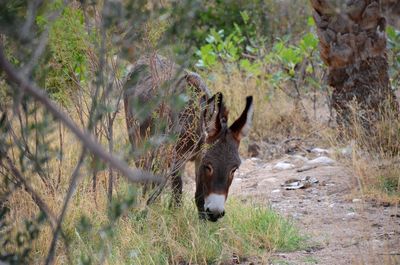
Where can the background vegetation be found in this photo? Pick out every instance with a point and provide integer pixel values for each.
(61, 203)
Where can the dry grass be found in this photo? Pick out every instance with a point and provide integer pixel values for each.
(275, 115)
(158, 235)
(142, 235)
(374, 158)
(155, 235)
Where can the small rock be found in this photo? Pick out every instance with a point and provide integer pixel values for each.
(283, 166)
(276, 191)
(322, 160)
(293, 184)
(319, 151)
(351, 214)
(357, 200)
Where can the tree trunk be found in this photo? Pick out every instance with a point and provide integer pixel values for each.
(353, 45)
(391, 10)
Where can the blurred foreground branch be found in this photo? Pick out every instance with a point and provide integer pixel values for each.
(135, 175)
(28, 188)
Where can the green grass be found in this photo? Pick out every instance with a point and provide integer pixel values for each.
(389, 184)
(165, 236)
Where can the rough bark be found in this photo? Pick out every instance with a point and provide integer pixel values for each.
(391, 10)
(353, 45)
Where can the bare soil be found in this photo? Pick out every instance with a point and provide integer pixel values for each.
(341, 228)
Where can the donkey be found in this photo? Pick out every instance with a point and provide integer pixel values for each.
(202, 128)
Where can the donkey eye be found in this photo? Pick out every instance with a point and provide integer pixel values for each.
(208, 168)
(233, 170)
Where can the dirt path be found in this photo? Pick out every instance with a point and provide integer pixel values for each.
(342, 228)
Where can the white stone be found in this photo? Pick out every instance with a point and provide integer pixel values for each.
(276, 191)
(322, 160)
(283, 166)
(317, 150)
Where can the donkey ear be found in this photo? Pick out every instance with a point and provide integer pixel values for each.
(211, 118)
(241, 127)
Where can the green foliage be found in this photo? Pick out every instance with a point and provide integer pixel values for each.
(393, 36)
(227, 16)
(12, 15)
(291, 56)
(284, 62)
(260, 20)
(390, 184)
(68, 65)
(220, 47)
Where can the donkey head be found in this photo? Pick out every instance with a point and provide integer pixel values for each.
(220, 158)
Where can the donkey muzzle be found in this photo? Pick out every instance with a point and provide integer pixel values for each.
(214, 204)
(214, 216)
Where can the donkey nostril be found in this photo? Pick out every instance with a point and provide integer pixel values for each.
(208, 210)
(223, 214)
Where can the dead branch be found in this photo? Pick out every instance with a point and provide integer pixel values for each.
(135, 175)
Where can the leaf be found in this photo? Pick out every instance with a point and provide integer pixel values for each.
(210, 39)
(207, 55)
(290, 56)
(250, 49)
(310, 21)
(309, 69)
(245, 16)
(309, 42)
(245, 63)
(278, 46)
(391, 32)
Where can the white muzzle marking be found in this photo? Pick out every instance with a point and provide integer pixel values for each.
(215, 203)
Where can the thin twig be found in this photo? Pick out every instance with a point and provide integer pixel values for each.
(71, 189)
(84, 136)
(28, 188)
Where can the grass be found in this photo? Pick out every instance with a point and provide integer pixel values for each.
(129, 233)
(156, 235)
(160, 235)
(275, 115)
(375, 158)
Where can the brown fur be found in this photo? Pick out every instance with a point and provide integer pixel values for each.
(157, 81)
